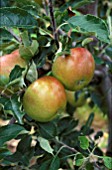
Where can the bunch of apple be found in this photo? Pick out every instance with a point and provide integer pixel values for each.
(47, 96)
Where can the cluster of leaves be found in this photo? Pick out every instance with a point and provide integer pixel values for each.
(53, 145)
(57, 144)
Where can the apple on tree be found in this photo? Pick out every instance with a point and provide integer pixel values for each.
(7, 63)
(76, 98)
(75, 70)
(44, 99)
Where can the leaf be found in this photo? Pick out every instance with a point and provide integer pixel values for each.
(55, 163)
(51, 164)
(16, 17)
(25, 38)
(90, 24)
(13, 105)
(4, 3)
(79, 159)
(45, 145)
(5, 35)
(34, 46)
(45, 165)
(16, 76)
(84, 143)
(86, 127)
(66, 125)
(32, 73)
(79, 162)
(31, 9)
(9, 132)
(47, 130)
(27, 141)
(86, 41)
(16, 73)
(28, 52)
(24, 151)
(108, 162)
(75, 4)
(4, 152)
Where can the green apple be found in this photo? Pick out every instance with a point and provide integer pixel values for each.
(44, 99)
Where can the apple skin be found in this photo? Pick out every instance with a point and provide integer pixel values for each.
(7, 63)
(71, 99)
(44, 99)
(76, 70)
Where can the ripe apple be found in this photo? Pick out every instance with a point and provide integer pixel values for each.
(76, 70)
(44, 98)
(7, 63)
(77, 98)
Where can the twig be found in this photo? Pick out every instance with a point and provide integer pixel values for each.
(66, 146)
(45, 7)
(12, 121)
(101, 49)
(53, 21)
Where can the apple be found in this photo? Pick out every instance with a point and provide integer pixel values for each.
(7, 63)
(75, 70)
(76, 98)
(44, 99)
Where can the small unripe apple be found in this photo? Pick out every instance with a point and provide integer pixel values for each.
(7, 63)
(76, 70)
(77, 98)
(44, 99)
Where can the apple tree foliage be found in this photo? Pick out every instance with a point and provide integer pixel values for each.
(42, 33)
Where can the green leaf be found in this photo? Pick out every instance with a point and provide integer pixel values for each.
(47, 130)
(45, 165)
(33, 10)
(79, 162)
(108, 162)
(108, 51)
(86, 41)
(9, 132)
(75, 4)
(4, 3)
(32, 73)
(24, 151)
(16, 73)
(87, 126)
(5, 35)
(84, 143)
(27, 141)
(90, 24)
(4, 152)
(55, 163)
(79, 159)
(66, 125)
(16, 17)
(16, 77)
(45, 145)
(34, 46)
(51, 164)
(28, 52)
(23, 3)
(25, 38)
(13, 105)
